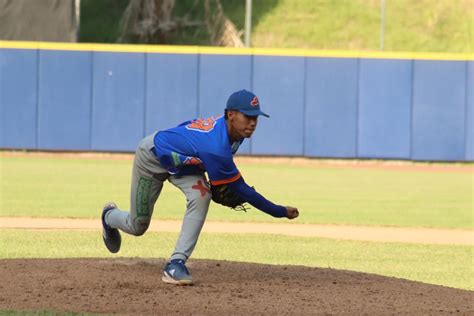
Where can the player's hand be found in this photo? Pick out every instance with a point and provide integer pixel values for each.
(292, 212)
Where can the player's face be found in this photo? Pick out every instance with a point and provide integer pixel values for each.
(241, 125)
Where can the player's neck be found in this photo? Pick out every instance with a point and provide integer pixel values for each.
(233, 134)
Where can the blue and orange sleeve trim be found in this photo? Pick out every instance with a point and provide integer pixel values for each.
(226, 181)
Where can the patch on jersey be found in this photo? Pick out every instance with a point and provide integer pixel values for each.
(202, 125)
(176, 160)
(193, 161)
(254, 101)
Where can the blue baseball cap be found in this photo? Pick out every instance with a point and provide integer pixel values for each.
(245, 102)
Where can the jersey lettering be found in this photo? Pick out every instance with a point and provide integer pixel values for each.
(202, 125)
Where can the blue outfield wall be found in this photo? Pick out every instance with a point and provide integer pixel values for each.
(331, 107)
(64, 100)
(320, 106)
(171, 90)
(470, 112)
(439, 110)
(18, 98)
(118, 101)
(279, 84)
(385, 92)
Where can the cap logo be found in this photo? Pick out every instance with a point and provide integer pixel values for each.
(254, 101)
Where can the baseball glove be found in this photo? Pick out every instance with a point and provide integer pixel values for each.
(223, 195)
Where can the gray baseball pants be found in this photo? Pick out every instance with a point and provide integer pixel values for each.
(147, 181)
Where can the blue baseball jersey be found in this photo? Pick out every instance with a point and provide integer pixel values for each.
(197, 146)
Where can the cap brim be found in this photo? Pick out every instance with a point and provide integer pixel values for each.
(253, 112)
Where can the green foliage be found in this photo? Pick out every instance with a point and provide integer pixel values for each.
(65, 187)
(100, 20)
(424, 25)
(448, 265)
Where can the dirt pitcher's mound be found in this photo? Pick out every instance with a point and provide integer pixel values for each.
(134, 286)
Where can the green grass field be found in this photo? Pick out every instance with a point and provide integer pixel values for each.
(65, 187)
(60, 187)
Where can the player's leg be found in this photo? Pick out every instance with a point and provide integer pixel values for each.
(147, 181)
(145, 190)
(198, 197)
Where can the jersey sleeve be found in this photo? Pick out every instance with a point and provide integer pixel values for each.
(256, 199)
(220, 168)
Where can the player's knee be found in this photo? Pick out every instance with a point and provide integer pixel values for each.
(141, 225)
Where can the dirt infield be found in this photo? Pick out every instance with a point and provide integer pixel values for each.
(133, 286)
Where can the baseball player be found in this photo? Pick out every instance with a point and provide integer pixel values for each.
(182, 155)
